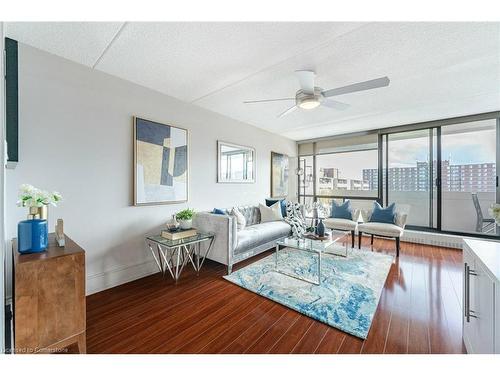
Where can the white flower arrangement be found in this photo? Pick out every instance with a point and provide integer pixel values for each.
(30, 196)
(494, 211)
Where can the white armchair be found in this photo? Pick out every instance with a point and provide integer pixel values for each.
(344, 224)
(386, 230)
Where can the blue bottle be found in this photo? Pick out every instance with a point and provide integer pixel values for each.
(320, 228)
(32, 235)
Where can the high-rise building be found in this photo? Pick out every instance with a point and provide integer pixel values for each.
(454, 178)
(329, 180)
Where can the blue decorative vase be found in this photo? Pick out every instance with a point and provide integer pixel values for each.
(32, 236)
(320, 228)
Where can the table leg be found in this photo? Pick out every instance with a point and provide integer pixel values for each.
(319, 268)
(168, 262)
(158, 261)
(177, 274)
(206, 252)
(187, 256)
(276, 257)
(161, 262)
(198, 258)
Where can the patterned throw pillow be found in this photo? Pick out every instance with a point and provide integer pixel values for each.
(272, 213)
(240, 219)
(218, 211)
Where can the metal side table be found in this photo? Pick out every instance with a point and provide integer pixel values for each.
(173, 255)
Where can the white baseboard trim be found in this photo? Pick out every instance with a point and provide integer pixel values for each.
(120, 275)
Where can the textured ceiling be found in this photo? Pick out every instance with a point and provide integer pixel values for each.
(437, 70)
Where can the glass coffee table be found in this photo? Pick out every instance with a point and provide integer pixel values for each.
(336, 244)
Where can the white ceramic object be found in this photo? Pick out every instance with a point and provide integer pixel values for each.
(186, 224)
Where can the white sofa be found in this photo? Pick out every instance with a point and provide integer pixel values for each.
(386, 230)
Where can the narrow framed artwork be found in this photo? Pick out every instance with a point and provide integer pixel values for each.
(161, 167)
(279, 175)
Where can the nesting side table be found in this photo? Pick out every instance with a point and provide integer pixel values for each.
(172, 255)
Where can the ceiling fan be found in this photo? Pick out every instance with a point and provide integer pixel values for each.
(309, 96)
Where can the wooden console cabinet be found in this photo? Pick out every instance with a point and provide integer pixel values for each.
(49, 298)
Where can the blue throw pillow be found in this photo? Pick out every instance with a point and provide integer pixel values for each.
(270, 202)
(383, 215)
(342, 211)
(218, 211)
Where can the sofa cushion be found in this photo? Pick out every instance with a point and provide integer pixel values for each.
(260, 234)
(342, 224)
(383, 229)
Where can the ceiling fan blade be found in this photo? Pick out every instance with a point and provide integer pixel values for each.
(267, 100)
(360, 86)
(335, 104)
(306, 80)
(288, 111)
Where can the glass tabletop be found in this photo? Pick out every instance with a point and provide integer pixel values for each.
(183, 241)
(314, 245)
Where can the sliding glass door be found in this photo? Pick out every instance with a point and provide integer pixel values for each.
(410, 173)
(469, 177)
(446, 176)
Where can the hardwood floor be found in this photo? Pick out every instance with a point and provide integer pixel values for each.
(419, 312)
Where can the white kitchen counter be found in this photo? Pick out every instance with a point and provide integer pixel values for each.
(488, 253)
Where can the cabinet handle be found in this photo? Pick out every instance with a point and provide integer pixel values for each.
(468, 312)
(466, 293)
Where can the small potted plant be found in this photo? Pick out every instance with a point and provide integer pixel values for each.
(185, 218)
(494, 211)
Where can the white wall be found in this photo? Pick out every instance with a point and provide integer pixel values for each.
(76, 138)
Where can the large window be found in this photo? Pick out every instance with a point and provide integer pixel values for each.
(442, 173)
(350, 174)
(339, 168)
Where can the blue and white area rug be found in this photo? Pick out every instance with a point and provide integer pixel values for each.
(349, 292)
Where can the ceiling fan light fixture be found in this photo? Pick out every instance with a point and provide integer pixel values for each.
(310, 96)
(309, 103)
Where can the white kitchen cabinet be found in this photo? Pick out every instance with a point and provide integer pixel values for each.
(481, 312)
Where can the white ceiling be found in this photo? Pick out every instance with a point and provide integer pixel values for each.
(437, 70)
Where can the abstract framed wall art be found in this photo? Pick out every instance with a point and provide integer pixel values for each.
(279, 175)
(160, 163)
